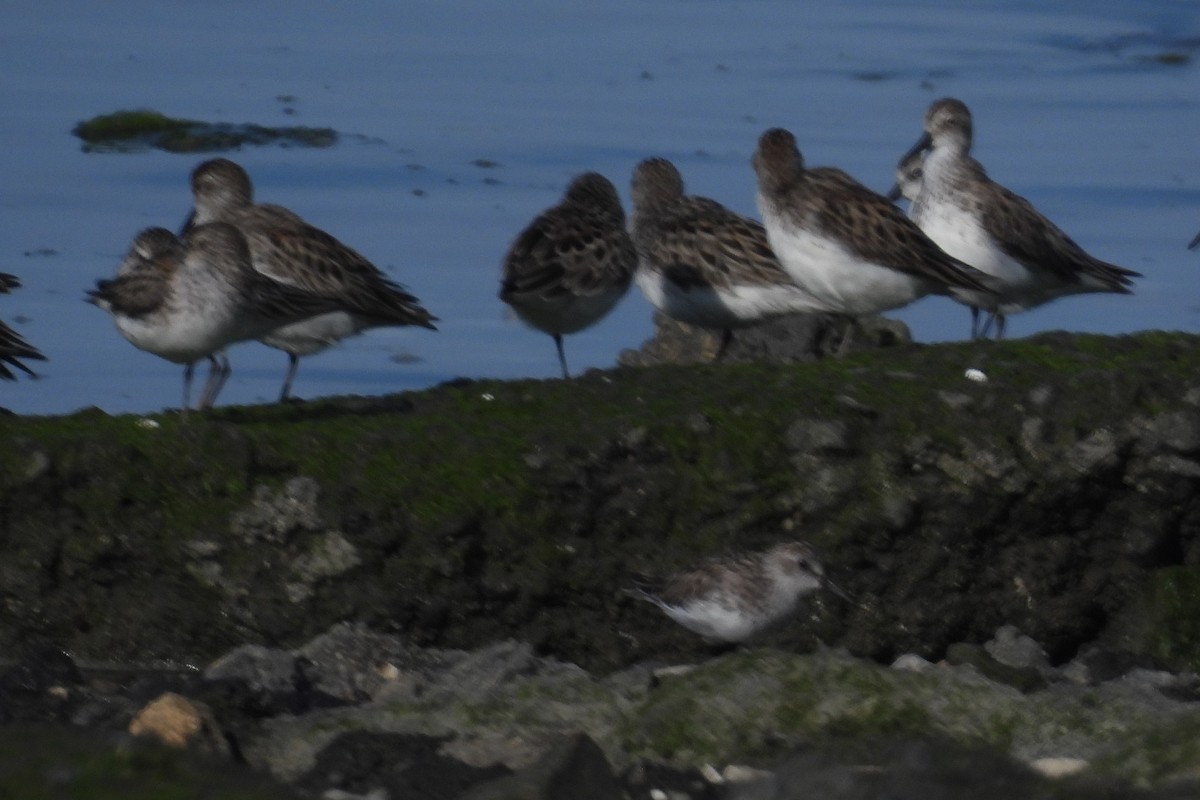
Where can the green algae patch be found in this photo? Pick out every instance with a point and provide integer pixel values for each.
(48, 763)
(145, 129)
(757, 705)
(491, 509)
(1173, 632)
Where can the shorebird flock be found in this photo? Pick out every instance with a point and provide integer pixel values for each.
(826, 244)
(239, 270)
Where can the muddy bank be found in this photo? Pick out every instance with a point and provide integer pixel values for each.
(1036, 496)
(1057, 495)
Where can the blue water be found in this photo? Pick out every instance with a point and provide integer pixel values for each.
(1071, 110)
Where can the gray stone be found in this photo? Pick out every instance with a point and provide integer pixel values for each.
(574, 770)
(260, 668)
(818, 436)
(1009, 646)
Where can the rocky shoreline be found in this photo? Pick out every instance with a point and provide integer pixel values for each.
(358, 592)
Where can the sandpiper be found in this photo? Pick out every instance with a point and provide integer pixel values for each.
(848, 246)
(185, 300)
(703, 264)
(982, 223)
(571, 265)
(908, 181)
(908, 185)
(731, 599)
(287, 249)
(12, 346)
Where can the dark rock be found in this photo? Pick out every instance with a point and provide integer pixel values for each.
(818, 436)
(795, 339)
(1025, 679)
(401, 765)
(575, 770)
(38, 686)
(61, 762)
(487, 510)
(653, 781)
(926, 769)
(142, 129)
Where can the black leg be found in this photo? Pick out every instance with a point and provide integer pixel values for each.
(187, 388)
(218, 373)
(726, 339)
(293, 365)
(562, 358)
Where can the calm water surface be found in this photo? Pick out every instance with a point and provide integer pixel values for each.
(1074, 108)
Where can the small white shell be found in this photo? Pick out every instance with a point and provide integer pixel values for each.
(976, 375)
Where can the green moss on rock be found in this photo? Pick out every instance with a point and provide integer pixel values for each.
(142, 129)
(1173, 632)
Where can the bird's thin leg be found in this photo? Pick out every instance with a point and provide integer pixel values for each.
(293, 365)
(187, 388)
(987, 324)
(1001, 322)
(726, 339)
(562, 358)
(847, 337)
(218, 373)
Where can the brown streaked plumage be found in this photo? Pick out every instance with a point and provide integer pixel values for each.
(187, 299)
(843, 242)
(572, 263)
(13, 347)
(995, 230)
(703, 264)
(289, 250)
(731, 599)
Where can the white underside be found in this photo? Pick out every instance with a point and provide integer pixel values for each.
(736, 307)
(834, 276)
(315, 333)
(567, 314)
(960, 233)
(720, 617)
(183, 339)
(716, 621)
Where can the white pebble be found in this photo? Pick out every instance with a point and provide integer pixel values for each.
(976, 375)
(1059, 767)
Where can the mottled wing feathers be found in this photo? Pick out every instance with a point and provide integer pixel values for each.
(699, 242)
(568, 252)
(134, 294)
(879, 231)
(1025, 234)
(278, 301)
(12, 348)
(739, 577)
(291, 251)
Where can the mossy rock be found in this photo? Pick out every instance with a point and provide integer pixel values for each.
(48, 763)
(143, 129)
(1173, 613)
(1044, 498)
